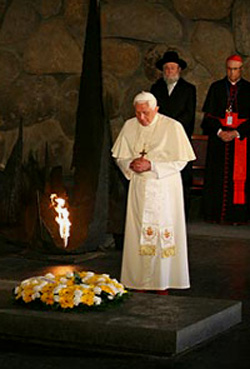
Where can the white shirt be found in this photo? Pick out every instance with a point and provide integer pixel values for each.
(171, 86)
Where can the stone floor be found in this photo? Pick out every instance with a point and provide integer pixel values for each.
(219, 268)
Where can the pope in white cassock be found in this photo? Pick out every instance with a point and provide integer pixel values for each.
(151, 150)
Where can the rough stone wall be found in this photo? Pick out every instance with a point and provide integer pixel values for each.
(41, 47)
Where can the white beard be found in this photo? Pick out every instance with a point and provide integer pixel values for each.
(170, 80)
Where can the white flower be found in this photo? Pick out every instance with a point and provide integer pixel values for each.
(112, 287)
(59, 287)
(56, 298)
(78, 293)
(26, 282)
(17, 290)
(47, 280)
(77, 300)
(105, 275)
(49, 276)
(110, 297)
(69, 274)
(39, 287)
(97, 300)
(90, 274)
(101, 280)
(97, 290)
(63, 280)
(35, 295)
(35, 280)
(84, 285)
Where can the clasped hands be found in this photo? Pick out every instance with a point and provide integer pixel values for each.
(140, 165)
(228, 136)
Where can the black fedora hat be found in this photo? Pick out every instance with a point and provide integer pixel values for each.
(170, 57)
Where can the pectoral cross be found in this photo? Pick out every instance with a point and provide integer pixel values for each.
(143, 152)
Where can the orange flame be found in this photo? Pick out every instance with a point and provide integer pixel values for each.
(62, 218)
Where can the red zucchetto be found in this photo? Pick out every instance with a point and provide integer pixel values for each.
(235, 57)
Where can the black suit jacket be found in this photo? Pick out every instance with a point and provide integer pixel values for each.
(180, 105)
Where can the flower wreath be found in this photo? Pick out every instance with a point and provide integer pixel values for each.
(82, 290)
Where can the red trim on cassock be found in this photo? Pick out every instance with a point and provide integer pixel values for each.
(240, 160)
(225, 184)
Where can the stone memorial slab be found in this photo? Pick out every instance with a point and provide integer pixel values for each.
(144, 324)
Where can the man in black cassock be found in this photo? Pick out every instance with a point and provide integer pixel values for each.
(176, 99)
(227, 123)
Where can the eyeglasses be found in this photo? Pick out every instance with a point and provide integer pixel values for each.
(234, 69)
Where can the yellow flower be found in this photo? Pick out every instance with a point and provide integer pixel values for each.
(48, 288)
(107, 289)
(47, 298)
(70, 282)
(66, 302)
(68, 291)
(88, 298)
(27, 298)
(27, 293)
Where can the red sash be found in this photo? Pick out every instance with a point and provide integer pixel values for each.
(240, 158)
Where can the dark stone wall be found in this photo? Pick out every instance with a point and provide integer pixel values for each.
(41, 47)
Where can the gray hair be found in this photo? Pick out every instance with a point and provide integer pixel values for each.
(145, 97)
